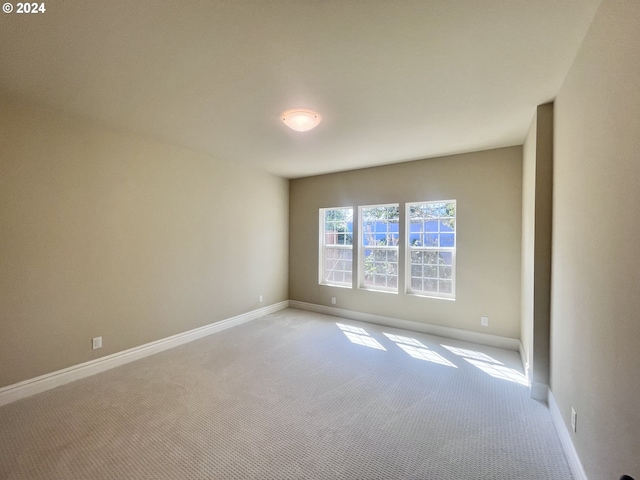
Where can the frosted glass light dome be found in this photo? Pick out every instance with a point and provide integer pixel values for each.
(301, 120)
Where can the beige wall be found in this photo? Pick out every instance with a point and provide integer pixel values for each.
(487, 187)
(528, 243)
(537, 185)
(106, 233)
(596, 255)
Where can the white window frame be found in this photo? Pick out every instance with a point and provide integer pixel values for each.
(410, 249)
(362, 248)
(324, 246)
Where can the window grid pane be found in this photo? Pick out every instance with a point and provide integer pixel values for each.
(431, 247)
(336, 249)
(380, 237)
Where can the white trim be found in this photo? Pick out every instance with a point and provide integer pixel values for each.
(447, 332)
(539, 391)
(565, 440)
(24, 389)
(525, 361)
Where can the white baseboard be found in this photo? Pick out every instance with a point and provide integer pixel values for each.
(24, 389)
(565, 440)
(540, 391)
(440, 331)
(525, 361)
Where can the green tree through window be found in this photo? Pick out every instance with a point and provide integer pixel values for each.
(431, 246)
(336, 254)
(379, 248)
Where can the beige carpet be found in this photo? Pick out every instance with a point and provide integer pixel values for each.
(291, 395)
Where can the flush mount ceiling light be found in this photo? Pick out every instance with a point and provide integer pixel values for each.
(301, 120)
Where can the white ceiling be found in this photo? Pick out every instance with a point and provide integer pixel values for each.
(393, 80)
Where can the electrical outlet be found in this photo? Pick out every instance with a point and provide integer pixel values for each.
(574, 419)
(96, 343)
(333, 300)
(260, 299)
(484, 321)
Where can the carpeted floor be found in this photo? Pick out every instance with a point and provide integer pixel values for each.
(291, 395)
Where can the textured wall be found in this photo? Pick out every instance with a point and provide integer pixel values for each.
(596, 258)
(106, 233)
(487, 186)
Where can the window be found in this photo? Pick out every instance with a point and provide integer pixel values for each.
(379, 236)
(431, 248)
(336, 243)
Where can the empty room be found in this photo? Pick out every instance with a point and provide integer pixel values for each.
(308, 239)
